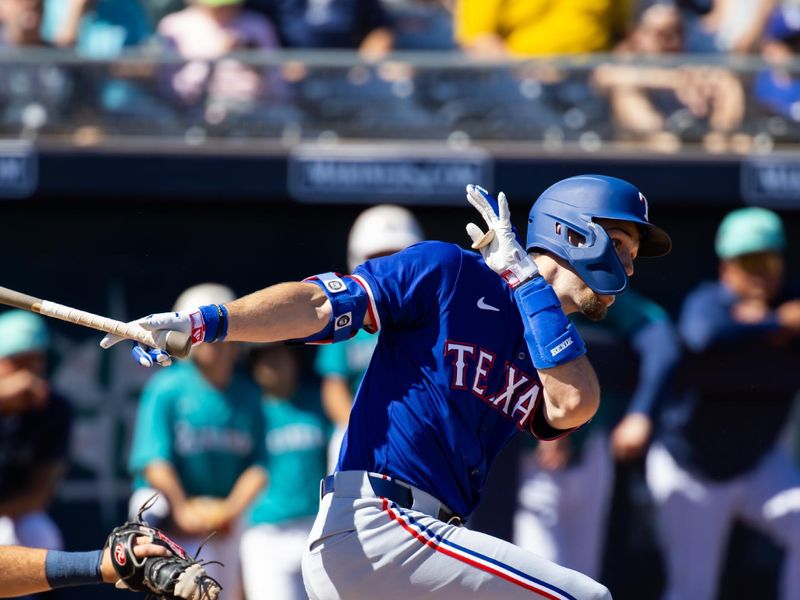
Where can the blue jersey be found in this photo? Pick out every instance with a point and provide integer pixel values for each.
(450, 382)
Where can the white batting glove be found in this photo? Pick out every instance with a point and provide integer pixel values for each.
(499, 246)
(188, 322)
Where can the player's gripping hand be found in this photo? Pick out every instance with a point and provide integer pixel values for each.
(190, 322)
(499, 246)
(204, 324)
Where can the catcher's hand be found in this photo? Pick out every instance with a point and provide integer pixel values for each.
(172, 577)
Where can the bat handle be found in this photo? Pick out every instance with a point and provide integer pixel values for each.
(176, 343)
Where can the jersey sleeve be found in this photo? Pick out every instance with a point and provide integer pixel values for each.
(659, 349)
(411, 288)
(152, 434)
(542, 430)
(654, 338)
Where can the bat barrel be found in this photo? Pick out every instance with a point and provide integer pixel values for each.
(19, 300)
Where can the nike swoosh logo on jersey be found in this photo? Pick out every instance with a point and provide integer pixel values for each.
(483, 306)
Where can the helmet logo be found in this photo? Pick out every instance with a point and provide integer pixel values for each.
(643, 200)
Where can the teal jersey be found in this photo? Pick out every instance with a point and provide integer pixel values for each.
(296, 444)
(348, 359)
(630, 312)
(209, 436)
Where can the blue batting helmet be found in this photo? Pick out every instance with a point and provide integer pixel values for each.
(575, 204)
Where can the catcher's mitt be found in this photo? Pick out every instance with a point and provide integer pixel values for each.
(175, 577)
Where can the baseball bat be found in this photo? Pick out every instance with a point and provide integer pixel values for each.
(484, 241)
(176, 343)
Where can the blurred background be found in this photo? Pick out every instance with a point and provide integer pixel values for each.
(150, 145)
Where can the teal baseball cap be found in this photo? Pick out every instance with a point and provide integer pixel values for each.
(22, 331)
(749, 230)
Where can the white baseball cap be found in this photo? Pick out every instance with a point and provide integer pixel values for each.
(379, 230)
(204, 293)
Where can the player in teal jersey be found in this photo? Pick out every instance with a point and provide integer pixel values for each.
(378, 231)
(198, 440)
(282, 516)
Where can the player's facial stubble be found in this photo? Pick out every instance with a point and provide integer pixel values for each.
(591, 305)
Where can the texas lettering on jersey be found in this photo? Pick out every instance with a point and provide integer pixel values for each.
(471, 367)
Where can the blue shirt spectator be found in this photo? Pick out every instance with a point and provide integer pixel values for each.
(778, 89)
(328, 23)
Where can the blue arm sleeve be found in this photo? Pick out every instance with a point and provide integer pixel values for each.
(349, 305)
(551, 339)
(659, 350)
(706, 321)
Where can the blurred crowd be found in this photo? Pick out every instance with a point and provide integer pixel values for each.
(207, 63)
(236, 438)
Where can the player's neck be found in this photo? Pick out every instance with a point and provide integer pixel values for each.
(550, 269)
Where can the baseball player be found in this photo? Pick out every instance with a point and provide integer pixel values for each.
(35, 424)
(717, 456)
(472, 349)
(378, 231)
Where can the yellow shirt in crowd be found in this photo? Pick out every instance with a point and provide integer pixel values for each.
(531, 27)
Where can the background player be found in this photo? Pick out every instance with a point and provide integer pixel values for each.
(717, 456)
(34, 434)
(452, 380)
(378, 231)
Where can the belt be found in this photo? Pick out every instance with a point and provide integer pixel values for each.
(400, 494)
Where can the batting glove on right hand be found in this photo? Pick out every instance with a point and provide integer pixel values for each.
(499, 246)
(188, 322)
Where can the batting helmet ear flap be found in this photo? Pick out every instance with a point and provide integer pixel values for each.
(597, 263)
(589, 250)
